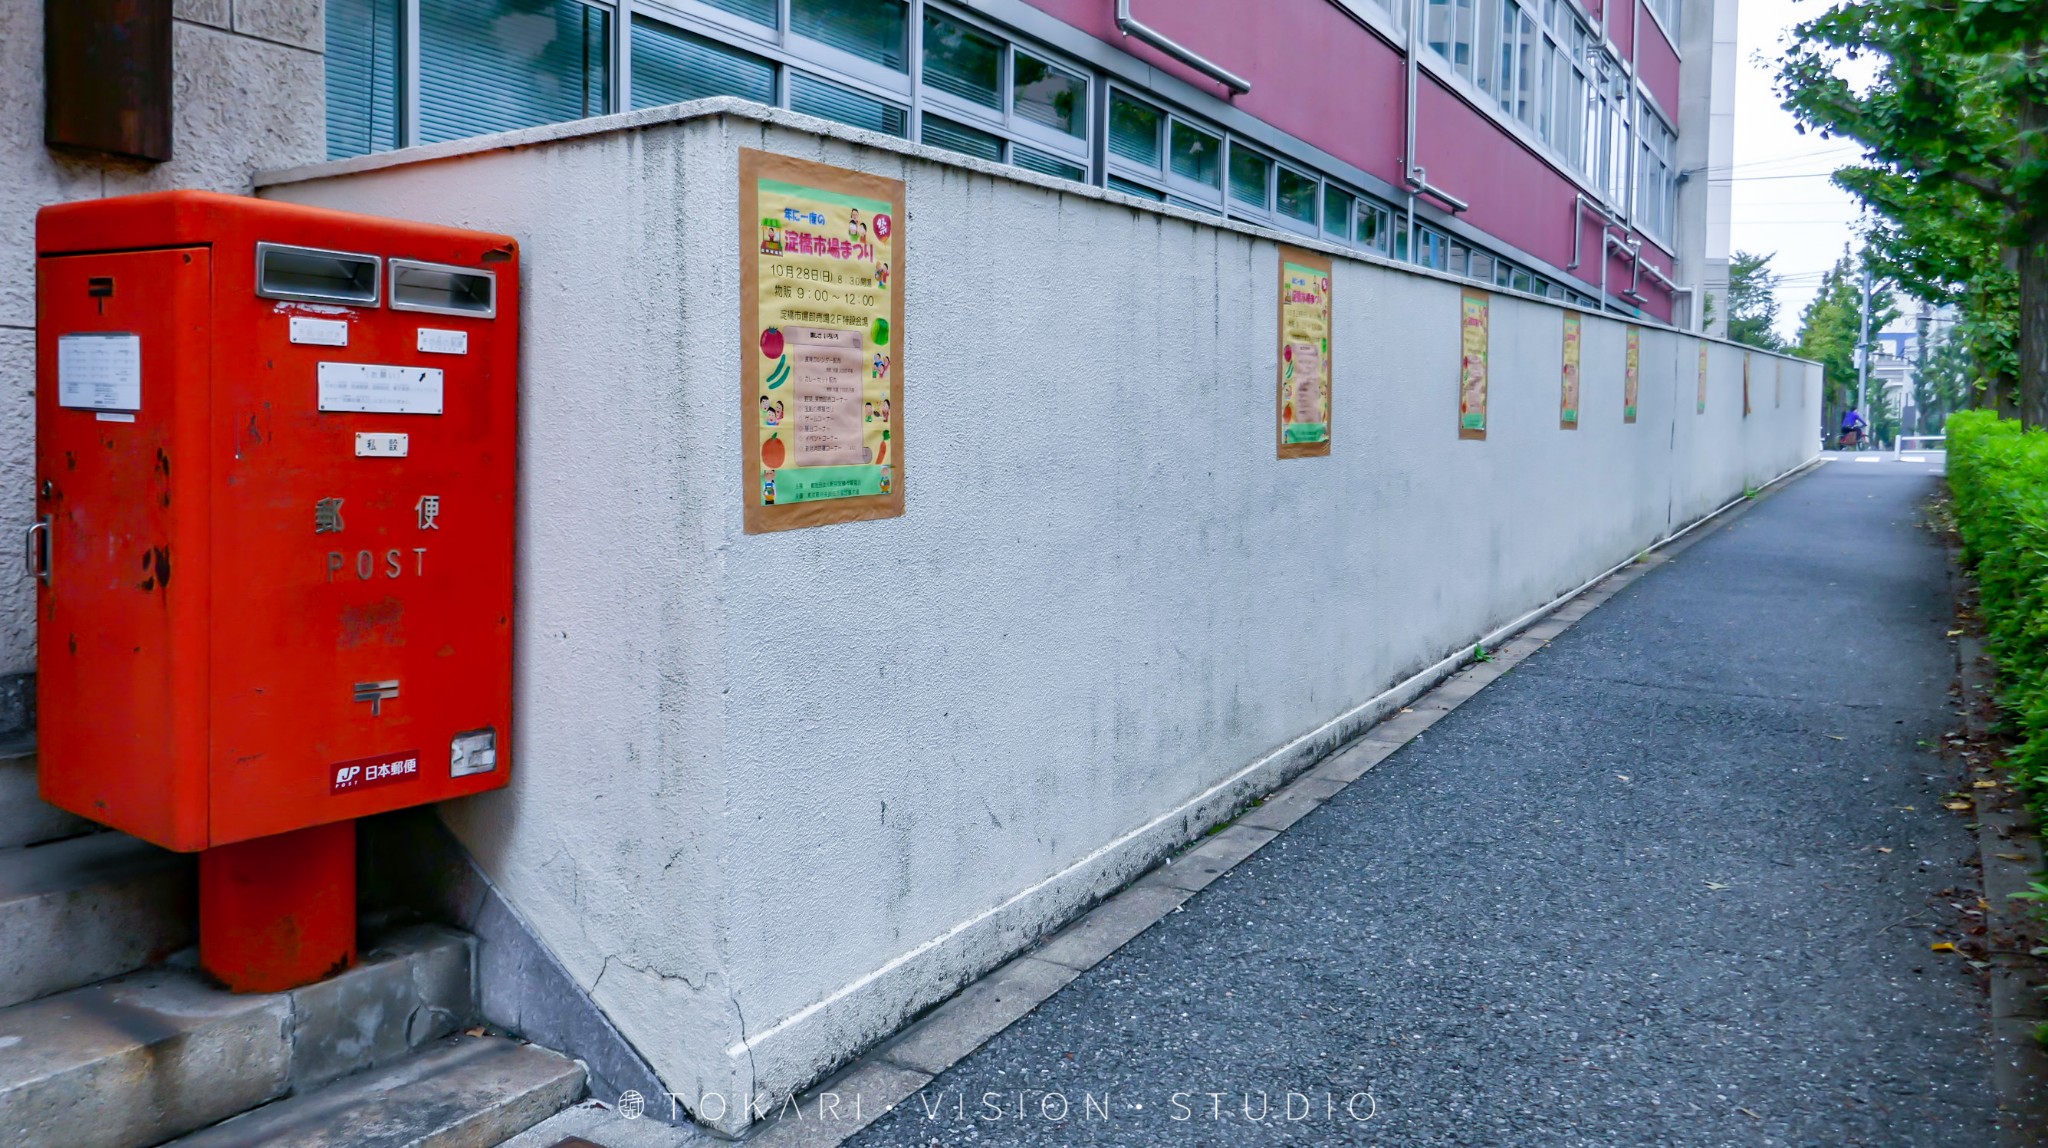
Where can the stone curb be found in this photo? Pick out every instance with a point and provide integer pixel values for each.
(899, 1068)
(2009, 851)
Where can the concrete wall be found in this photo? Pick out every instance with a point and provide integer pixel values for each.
(248, 95)
(776, 793)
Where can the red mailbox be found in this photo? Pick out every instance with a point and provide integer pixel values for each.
(274, 488)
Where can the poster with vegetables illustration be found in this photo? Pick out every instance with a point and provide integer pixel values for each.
(1568, 401)
(1632, 375)
(1745, 384)
(1306, 373)
(821, 270)
(1472, 365)
(1700, 404)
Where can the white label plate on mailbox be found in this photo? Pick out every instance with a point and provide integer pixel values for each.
(320, 332)
(435, 341)
(382, 444)
(100, 372)
(376, 388)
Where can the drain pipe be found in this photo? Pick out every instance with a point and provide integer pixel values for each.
(1412, 172)
(1579, 206)
(1130, 26)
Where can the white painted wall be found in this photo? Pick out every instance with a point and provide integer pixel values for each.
(766, 826)
(248, 94)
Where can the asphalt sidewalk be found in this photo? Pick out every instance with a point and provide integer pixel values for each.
(1672, 880)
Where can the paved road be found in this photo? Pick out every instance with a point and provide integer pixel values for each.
(1633, 893)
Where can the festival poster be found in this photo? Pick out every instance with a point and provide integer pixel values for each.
(1632, 375)
(1472, 366)
(1778, 385)
(1568, 403)
(1700, 404)
(1745, 384)
(1307, 376)
(821, 343)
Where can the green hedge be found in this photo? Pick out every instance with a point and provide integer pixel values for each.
(1999, 476)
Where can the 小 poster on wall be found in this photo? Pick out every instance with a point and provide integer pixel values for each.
(1306, 374)
(1700, 404)
(1745, 384)
(1472, 366)
(1778, 384)
(1632, 375)
(821, 343)
(1568, 401)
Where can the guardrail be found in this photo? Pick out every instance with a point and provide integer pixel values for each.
(1899, 443)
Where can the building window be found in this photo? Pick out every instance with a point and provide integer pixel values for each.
(1295, 198)
(1250, 178)
(829, 101)
(1049, 95)
(1035, 111)
(1656, 188)
(962, 62)
(944, 133)
(1194, 154)
(671, 65)
(1134, 128)
(873, 30)
(1337, 205)
(362, 76)
(496, 65)
(1375, 227)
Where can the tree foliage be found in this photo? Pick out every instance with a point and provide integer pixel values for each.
(1953, 124)
(1829, 329)
(1753, 301)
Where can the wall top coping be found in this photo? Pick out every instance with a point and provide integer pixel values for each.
(728, 107)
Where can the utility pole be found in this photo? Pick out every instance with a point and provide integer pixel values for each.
(1863, 356)
(1921, 330)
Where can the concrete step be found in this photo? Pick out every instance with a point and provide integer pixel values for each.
(135, 1061)
(25, 818)
(463, 1092)
(81, 910)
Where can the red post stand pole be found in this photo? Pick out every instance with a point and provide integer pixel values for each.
(279, 912)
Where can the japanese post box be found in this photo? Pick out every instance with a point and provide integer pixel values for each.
(274, 534)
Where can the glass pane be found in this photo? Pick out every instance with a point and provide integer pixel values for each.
(496, 65)
(1048, 164)
(362, 76)
(1139, 190)
(962, 62)
(1400, 243)
(1481, 266)
(874, 30)
(815, 97)
(1530, 47)
(1134, 130)
(940, 132)
(1297, 196)
(1372, 227)
(1521, 281)
(1488, 54)
(1337, 212)
(671, 65)
(1248, 172)
(1191, 205)
(1195, 154)
(1049, 95)
(1464, 34)
(1504, 71)
(1458, 254)
(759, 11)
(1437, 27)
(1503, 274)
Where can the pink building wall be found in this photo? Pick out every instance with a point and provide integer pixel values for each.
(1325, 78)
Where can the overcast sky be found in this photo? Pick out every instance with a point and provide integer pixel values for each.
(1783, 201)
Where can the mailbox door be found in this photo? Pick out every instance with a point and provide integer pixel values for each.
(122, 366)
(368, 560)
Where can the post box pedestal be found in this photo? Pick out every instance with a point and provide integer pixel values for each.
(279, 912)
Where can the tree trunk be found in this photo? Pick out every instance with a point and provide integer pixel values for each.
(2033, 338)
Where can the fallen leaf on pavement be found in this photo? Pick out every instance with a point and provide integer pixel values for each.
(1983, 785)
(1838, 737)
(1884, 849)
(1942, 947)
(1907, 809)
(1958, 806)
(1748, 1113)
(2012, 856)
(1718, 885)
(1954, 633)
(1622, 776)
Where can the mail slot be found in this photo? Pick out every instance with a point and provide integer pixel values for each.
(274, 529)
